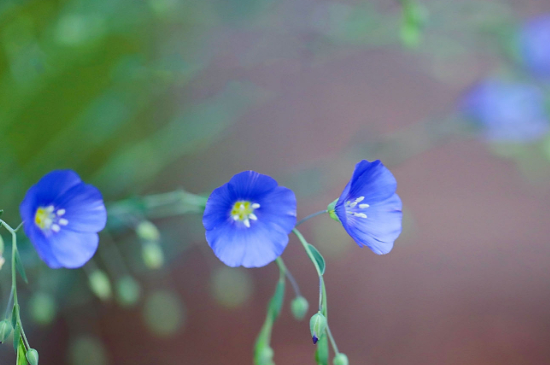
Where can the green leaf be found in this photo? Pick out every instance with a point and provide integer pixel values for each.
(318, 258)
(276, 302)
(21, 353)
(16, 337)
(321, 354)
(14, 315)
(20, 268)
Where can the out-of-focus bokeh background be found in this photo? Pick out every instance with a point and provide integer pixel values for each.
(143, 97)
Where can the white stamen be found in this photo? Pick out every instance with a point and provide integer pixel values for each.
(60, 212)
(241, 207)
(352, 205)
(236, 217)
(360, 199)
(63, 222)
(363, 206)
(255, 205)
(55, 228)
(246, 222)
(253, 216)
(360, 215)
(49, 209)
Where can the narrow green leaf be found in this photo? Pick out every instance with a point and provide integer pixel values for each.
(14, 315)
(276, 302)
(20, 267)
(21, 353)
(16, 337)
(318, 257)
(1, 212)
(321, 354)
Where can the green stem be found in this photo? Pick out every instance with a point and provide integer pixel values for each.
(310, 216)
(289, 276)
(14, 278)
(332, 340)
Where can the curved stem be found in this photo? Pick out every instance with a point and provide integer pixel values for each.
(310, 216)
(289, 276)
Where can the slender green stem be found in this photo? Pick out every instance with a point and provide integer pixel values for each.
(14, 278)
(332, 340)
(310, 216)
(289, 276)
(308, 251)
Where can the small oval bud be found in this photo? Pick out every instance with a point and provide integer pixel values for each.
(5, 330)
(32, 357)
(153, 257)
(100, 284)
(128, 291)
(265, 356)
(147, 231)
(317, 326)
(340, 359)
(299, 307)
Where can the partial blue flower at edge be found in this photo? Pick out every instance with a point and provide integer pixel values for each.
(248, 219)
(62, 216)
(506, 111)
(369, 209)
(534, 43)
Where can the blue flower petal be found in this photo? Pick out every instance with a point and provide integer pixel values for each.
(534, 41)
(218, 206)
(250, 247)
(380, 229)
(373, 181)
(84, 208)
(250, 185)
(279, 208)
(42, 245)
(43, 193)
(73, 249)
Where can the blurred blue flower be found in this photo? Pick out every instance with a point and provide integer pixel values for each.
(369, 209)
(534, 43)
(248, 219)
(506, 111)
(62, 216)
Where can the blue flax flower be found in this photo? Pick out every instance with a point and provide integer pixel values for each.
(507, 111)
(369, 209)
(534, 43)
(62, 216)
(248, 219)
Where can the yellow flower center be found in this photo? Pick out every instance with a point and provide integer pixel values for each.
(243, 211)
(44, 217)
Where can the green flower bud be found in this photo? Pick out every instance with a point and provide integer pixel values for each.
(128, 291)
(153, 257)
(32, 357)
(299, 307)
(340, 359)
(331, 210)
(2, 261)
(42, 308)
(317, 326)
(265, 356)
(147, 231)
(5, 330)
(100, 284)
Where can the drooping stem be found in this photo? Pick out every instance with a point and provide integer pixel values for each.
(310, 216)
(289, 276)
(323, 308)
